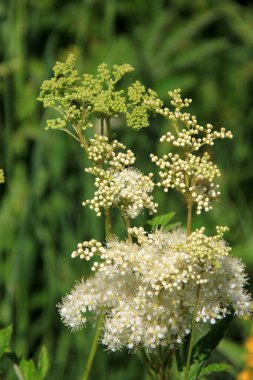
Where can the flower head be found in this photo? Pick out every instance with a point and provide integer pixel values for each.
(118, 184)
(147, 289)
(194, 176)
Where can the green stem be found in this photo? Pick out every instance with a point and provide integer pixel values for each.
(102, 127)
(162, 374)
(189, 216)
(93, 348)
(109, 128)
(147, 364)
(108, 223)
(127, 225)
(193, 330)
(168, 363)
(82, 139)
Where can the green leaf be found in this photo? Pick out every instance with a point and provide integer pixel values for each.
(205, 346)
(28, 370)
(161, 220)
(172, 226)
(43, 363)
(5, 336)
(211, 368)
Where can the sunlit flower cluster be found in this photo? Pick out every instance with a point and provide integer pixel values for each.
(188, 173)
(79, 98)
(118, 184)
(147, 290)
(141, 103)
(188, 133)
(194, 177)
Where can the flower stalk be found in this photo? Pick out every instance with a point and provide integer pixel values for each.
(108, 223)
(93, 349)
(193, 331)
(128, 227)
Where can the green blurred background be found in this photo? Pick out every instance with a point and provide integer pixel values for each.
(205, 47)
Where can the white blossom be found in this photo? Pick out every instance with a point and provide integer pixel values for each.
(118, 183)
(147, 289)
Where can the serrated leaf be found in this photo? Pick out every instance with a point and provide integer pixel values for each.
(161, 220)
(5, 337)
(217, 367)
(43, 363)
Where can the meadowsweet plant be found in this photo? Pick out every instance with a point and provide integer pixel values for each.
(152, 292)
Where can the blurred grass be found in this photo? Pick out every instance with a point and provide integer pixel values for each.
(204, 47)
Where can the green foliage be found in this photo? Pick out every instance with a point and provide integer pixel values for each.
(203, 349)
(214, 368)
(25, 369)
(29, 370)
(163, 221)
(5, 337)
(204, 47)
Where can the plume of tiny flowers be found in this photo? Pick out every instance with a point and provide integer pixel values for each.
(188, 173)
(118, 184)
(79, 98)
(1, 176)
(140, 103)
(146, 288)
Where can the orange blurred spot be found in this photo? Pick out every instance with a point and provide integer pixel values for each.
(249, 345)
(245, 375)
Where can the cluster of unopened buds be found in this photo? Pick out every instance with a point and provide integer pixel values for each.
(193, 176)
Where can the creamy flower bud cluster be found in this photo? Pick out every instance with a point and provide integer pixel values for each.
(1, 176)
(141, 103)
(118, 184)
(190, 174)
(147, 289)
(187, 132)
(193, 177)
(79, 98)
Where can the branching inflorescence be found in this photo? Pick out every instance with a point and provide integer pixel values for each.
(187, 172)
(153, 288)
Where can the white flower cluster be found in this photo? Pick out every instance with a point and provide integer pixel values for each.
(192, 175)
(132, 193)
(193, 136)
(148, 290)
(118, 184)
